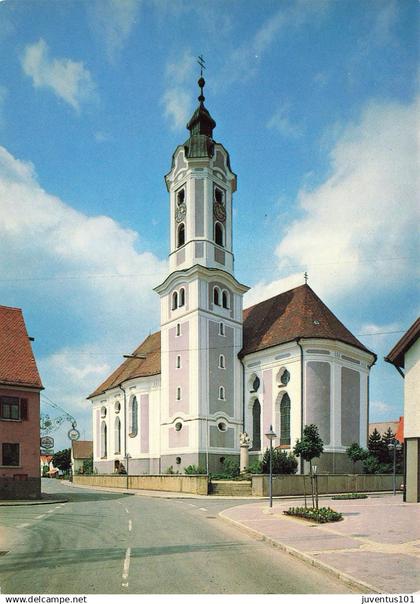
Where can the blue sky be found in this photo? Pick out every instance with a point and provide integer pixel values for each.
(315, 101)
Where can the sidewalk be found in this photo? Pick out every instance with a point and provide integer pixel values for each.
(376, 547)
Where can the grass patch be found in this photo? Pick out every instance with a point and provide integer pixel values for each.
(350, 496)
(320, 515)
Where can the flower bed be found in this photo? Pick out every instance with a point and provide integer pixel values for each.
(350, 496)
(320, 515)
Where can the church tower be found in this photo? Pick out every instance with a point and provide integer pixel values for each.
(201, 306)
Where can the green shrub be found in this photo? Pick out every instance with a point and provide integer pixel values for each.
(320, 515)
(231, 468)
(254, 468)
(192, 469)
(171, 470)
(283, 463)
(350, 496)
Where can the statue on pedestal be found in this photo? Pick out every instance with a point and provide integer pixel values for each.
(245, 443)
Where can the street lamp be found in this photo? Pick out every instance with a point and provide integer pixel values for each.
(395, 446)
(271, 435)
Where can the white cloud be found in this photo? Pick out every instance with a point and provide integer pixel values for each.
(114, 20)
(357, 229)
(380, 408)
(176, 101)
(281, 122)
(69, 80)
(85, 272)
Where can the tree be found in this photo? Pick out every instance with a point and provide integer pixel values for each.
(88, 465)
(282, 462)
(377, 447)
(309, 447)
(356, 453)
(62, 460)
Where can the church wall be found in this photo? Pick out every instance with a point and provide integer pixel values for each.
(179, 377)
(221, 344)
(350, 406)
(318, 397)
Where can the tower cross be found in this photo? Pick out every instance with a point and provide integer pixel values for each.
(201, 62)
(306, 277)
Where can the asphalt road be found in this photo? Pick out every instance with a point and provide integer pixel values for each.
(112, 543)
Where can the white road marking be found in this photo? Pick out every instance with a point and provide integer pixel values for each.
(119, 502)
(40, 516)
(126, 510)
(19, 526)
(203, 509)
(130, 525)
(193, 505)
(126, 567)
(50, 511)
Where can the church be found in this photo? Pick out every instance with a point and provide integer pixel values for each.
(215, 370)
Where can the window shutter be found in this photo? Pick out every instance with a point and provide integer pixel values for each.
(24, 408)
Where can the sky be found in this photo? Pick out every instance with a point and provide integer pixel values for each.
(316, 103)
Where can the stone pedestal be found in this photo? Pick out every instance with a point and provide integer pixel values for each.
(244, 459)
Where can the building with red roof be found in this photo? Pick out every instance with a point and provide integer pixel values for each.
(213, 371)
(20, 387)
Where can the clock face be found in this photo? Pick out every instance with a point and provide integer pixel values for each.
(180, 212)
(219, 211)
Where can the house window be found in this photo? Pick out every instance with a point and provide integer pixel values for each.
(178, 394)
(221, 329)
(13, 407)
(221, 393)
(285, 420)
(182, 296)
(178, 329)
(256, 426)
(174, 300)
(178, 361)
(216, 296)
(133, 415)
(10, 454)
(104, 450)
(117, 435)
(219, 234)
(222, 362)
(181, 235)
(225, 302)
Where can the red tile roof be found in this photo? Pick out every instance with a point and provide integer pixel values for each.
(82, 449)
(297, 313)
(133, 368)
(396, 356)
(17, 362)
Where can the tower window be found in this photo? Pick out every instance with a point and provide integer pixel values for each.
(181, 235)
(218, 196)
(218, 234)
(178, 361)
(178, 394)
(222, 361)
(221, 393)
(221, 329)
(182, 296)
(178, 329)
(180, 197)
(216, 296)
(225, 302)
(175, 300)
(222, 426)
(178, 426)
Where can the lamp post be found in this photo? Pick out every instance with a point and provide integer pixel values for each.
(127, 457)
(395, 446)
(271, 435)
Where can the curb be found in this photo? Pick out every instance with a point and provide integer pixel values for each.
(348, 579)
(12, 503)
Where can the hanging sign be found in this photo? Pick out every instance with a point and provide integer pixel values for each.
(47, 442)
(73, 434)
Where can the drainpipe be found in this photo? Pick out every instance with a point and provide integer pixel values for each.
(243, 395)
(125, 421)
(368, 399)
(301, 399)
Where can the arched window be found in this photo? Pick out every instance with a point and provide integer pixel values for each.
(285, 420)
(216, 296)
(256, 426)
(133, 416)
(225, 299)
(222, 393)
(104, 450)
(181, 235)
(117, 435)
(222, 361)
(182, 296)
(175, 300)
(218, 234)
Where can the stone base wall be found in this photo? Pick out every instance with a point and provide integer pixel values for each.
(295, 484)
(12, 488)
(412, 465)
(197, 484)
